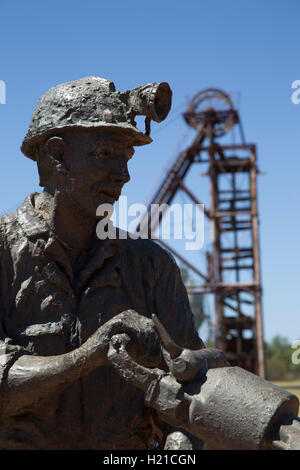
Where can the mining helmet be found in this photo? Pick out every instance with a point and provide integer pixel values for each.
(93, 102)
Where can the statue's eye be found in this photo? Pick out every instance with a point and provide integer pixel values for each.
(102, 155)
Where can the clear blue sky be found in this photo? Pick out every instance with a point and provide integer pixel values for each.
(248, 48)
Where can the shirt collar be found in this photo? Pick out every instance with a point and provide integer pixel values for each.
(35, 227)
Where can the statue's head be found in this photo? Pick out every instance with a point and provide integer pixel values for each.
(83, 133)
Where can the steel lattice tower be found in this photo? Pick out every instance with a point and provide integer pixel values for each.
(238, 304)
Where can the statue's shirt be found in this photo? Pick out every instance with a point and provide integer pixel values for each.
(46, 310)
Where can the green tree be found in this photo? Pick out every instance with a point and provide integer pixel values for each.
(275, 369)
(278, 354)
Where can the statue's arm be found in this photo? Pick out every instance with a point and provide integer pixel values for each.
(28, 379)
(172, 305)
(173, 310)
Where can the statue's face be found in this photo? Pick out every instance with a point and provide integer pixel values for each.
(97, 169)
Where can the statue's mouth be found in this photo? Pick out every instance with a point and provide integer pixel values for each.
(110, 193)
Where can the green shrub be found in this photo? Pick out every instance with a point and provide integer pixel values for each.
(275, 369)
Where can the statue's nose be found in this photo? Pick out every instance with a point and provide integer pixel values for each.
(121, 174)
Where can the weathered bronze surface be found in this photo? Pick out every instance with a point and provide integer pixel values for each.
(227, 407)
(62, 289)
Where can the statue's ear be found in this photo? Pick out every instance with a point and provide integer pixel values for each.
(56, 149)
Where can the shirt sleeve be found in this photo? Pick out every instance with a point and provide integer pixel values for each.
(172, 304)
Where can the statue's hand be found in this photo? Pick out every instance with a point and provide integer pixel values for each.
(185, 364)
(144, 345)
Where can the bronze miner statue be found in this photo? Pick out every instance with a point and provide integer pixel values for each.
(65, 293)
(86, 355)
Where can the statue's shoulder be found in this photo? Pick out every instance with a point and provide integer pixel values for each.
(21, 223)
(144, 247)
(8, 223)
